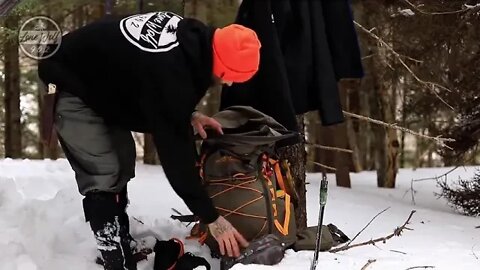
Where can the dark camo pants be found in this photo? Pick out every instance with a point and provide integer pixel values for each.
(103, 157)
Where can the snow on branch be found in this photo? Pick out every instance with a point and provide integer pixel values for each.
(397, 232)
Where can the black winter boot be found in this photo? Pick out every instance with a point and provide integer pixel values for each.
(124, 220)
(167, 253)
(107, 220)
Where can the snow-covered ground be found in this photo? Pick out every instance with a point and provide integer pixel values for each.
(42, 227)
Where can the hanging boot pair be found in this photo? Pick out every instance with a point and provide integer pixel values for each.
(109, 222)
(169, 255)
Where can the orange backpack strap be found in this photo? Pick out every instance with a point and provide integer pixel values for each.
(283, 229)
(278, 174)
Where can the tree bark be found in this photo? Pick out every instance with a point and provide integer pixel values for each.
(402, 136)
(382, 99)
(311, 122)
(13, 128)
(343, 161)
(325, 137)
(109, 7)
(196, 9)
(351, 132)
(297, 156)
(149, 151)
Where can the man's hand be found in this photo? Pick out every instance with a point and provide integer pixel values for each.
(200, 121)
(227, 236)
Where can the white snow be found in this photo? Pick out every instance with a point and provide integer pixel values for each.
(42, 226)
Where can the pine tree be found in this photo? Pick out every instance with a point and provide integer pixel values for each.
(463, 195)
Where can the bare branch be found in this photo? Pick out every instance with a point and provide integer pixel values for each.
(473, 252)
(398, 251)
(413, 192)
(322, 165)
(420, 267)
(430, 85)
(138, 220)
(368, 264)
(439, 140)
(436, 177)
(368, 224)
(397, 232)
(330, 148)
(465, 9)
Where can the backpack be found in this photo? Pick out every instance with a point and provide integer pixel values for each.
(249, 184)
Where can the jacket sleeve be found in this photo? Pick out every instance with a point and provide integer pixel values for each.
(174, 140)
(177, 154)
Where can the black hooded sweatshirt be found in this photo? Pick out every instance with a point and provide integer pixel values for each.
(144, 73)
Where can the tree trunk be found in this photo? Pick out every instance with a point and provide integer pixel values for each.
(13, 128)
(343, 161)
(40, 144)
(149, 151)
(325, 137)
(365, 133)
(404, 124)
(311, 122)
(351, 132)
(109, 7)
(297, 156)
(382, 100)
(365, 136)
(196, 9)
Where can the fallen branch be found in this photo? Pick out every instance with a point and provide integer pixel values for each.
(398, 251)
(419, 267)
(368, 224)
(368, 264)
(138, 220)
(473, 252)
(330, 148)
(322, 165)
(441, 141)
(397, 232)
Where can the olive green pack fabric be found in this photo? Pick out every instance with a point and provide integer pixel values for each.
(306, 239)
(247, 197)
(238, 172)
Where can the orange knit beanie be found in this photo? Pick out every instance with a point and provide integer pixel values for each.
(236, 53)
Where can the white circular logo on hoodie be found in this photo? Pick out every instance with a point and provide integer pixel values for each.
(152, 32)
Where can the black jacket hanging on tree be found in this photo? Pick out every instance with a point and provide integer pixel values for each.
(308, 46)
